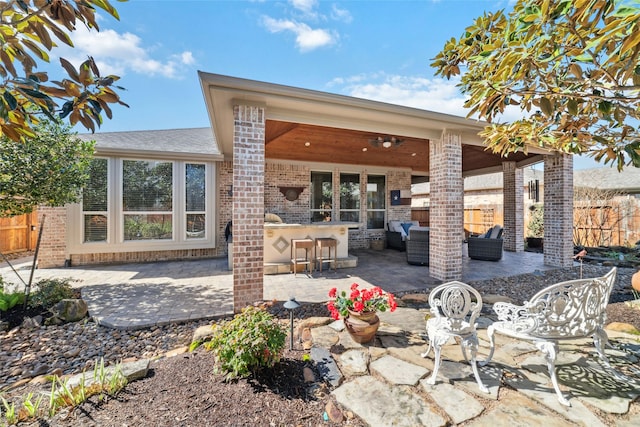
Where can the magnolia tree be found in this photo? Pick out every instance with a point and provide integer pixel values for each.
(49, 169)
(29, 31)
(571, 67)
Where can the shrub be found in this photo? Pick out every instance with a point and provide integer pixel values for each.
(50, 292)
(252, 340)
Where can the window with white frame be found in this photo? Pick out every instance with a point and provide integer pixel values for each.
(321, 196)
(376, 201)
(195, 200)
(350, 197)
(95, 202)
(150, 201)
(147, 199)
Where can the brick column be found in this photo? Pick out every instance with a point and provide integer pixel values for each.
(53, 246)
(446, 219)
(558, 210)
(248, 205)
(513, 207)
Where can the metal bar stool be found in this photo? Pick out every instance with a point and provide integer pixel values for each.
(307, 245)
(332, 245)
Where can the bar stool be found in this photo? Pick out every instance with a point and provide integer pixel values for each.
(307, 245)
(332, 245)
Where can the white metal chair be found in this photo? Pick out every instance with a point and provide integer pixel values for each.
(455, 306)
(563, 311)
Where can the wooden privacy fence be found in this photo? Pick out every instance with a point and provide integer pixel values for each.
(18, 233)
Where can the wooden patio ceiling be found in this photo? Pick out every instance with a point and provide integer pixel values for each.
(310, 143)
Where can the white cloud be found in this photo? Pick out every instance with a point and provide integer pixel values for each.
(305, 6)
(339, 14)
(432, 94)
(117, 53)
(307, 38)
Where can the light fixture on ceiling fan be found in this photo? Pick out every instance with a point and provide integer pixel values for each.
(386, 141)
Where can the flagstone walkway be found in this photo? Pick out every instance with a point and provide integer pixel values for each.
(384, 382)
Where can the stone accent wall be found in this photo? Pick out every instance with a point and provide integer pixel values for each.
(513, 207)
(248, 204)
(53, 246)
(446, 210)
(558, 210)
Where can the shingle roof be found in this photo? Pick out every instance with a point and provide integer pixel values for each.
(185, 141)
(605, 178)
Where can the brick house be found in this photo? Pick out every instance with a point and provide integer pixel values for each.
(285, 150)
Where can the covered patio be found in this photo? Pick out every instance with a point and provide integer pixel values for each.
(263, 129)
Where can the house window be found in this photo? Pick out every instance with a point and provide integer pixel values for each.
(147, 199)
(376, 201)
(95, 202)
(195, 203)
(321, 196)
(350, 197)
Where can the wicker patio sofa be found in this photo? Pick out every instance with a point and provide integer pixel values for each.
(418, 246)
(396, 234)
(487, 247)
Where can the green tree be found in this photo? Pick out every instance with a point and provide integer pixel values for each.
(570, 66)
(29, 30)
(48, 169)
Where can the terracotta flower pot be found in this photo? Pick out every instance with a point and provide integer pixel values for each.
(635, 281)
(362, 326)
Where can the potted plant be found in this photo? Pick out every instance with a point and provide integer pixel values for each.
(359, 310)
(535, 227)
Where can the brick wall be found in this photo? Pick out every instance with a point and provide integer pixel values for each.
(53, 245)
(144, 256)
(287, 175)
(513, 207)
(446, 210)
(248, 205)
(558, 210)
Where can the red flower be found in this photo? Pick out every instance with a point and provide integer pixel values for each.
(359, 300)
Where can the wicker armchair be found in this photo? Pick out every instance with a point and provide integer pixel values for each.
(486, 248)
(418, 247)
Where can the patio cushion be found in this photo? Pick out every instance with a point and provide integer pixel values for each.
(406, 226)
(495, 232)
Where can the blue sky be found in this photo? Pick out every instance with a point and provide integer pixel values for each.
(378, 50)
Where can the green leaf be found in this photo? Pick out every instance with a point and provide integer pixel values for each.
(546, 106)
(572, 107)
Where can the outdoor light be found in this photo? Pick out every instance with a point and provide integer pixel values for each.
(291, 305)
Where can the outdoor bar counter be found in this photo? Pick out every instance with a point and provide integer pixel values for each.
(277, 242)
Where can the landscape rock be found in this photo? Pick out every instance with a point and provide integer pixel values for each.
(68, 310)
(203, 333)
(334, 413)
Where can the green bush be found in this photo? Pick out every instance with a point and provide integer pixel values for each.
(8, 301)
(252, 340)
(50, 292)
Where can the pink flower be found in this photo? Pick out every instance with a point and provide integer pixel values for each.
(333, 292)
(358, 306)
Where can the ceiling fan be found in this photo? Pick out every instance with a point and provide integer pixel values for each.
(386, 141)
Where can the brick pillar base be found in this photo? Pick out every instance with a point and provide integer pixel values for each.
(446, 219)
(558, 210)
(248, 205)
(513, 207)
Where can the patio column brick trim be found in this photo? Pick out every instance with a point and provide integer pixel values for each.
(248, 205)
(558, 210)
(513, 205)
(446, 219)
